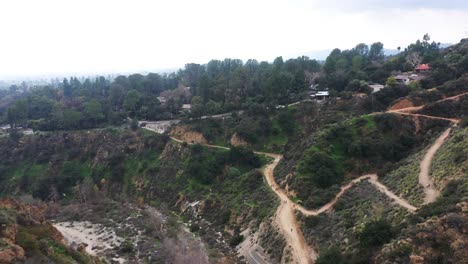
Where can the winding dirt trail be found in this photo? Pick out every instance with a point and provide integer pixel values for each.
(374, 180)
(430, 192)
(286, 219)
(285, 214)
(424, 178)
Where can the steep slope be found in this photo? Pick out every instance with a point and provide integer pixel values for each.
(26, 236)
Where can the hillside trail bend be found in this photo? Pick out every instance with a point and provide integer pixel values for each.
(285, 214)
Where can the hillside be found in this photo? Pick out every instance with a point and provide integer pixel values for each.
(249, 166)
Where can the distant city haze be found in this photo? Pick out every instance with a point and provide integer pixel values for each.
(56, 38)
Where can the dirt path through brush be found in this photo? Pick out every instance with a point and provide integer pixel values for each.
(431, 193)
(285, 214)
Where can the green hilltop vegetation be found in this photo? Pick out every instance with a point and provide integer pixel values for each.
(88, 157)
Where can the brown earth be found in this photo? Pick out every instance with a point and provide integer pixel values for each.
(237, 141)
(184, 134)
(404, 103)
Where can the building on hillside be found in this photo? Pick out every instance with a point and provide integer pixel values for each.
(415, 77)
(376, 87)
(320, 95)
(403, 79)
(162, 99)
(422, 68)
(186, 107)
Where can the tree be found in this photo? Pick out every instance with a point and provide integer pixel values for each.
(320, 169)
(286, 122)
(197, 106)
(376, 53)
(17, 113)
(67, 88)
(93, 111)
(131, 101)
(391, 82)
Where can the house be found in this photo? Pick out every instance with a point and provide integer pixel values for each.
(162, 99)
(376, 87)
(415, 77)
(402, 79)
(320, 95)
(422, 68)
(186, 107)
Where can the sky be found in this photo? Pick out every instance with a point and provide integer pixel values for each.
(70, 37)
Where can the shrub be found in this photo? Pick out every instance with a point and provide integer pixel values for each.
(126, 246)
(236, 240)
(331, 256)
(375, 234)
(194, 228)
(319, 168)
(311, 221)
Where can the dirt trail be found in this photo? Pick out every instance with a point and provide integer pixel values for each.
(431, 193)
(403, 112)
(373, 179)
(285, 214)
(286, 219)
(410, 110)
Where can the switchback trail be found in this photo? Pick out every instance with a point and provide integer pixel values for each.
(285, 214)
(431, 193)
(373, 179)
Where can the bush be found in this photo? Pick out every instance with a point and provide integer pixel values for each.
(321, 169)
(312, 221)
(194, 228)
(331, 256)
(375, 234)
(126, 246)
(6, 217)
(28, 242)
(236, 240)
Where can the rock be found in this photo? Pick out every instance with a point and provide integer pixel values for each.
(82, 247)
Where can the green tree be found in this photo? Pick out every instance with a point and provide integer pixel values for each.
(131, 101)
(93, 111)
(391, 82)
(197, 106)
(17, 113)
(320, 169)
(286, 122)
(376, 53)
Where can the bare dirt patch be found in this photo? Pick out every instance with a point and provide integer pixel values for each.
(184, 134)
(404, 103)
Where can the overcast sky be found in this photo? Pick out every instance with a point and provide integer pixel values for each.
(98, 36)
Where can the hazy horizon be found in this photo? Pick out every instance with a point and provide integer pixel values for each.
(57, 38)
